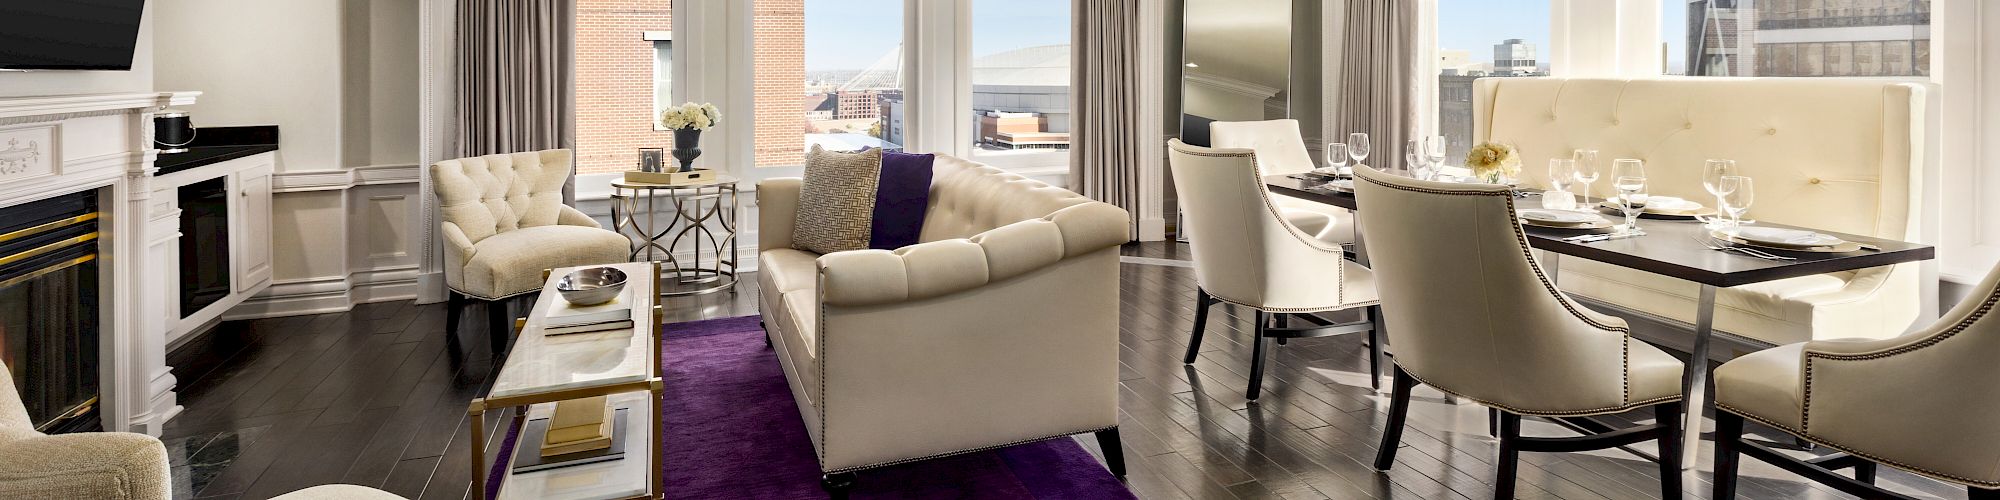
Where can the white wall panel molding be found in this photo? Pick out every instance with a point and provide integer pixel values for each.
(339, 179)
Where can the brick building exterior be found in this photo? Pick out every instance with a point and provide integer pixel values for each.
(778, 28)
(614, 82)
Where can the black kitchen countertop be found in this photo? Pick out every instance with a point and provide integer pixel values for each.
(214, 145)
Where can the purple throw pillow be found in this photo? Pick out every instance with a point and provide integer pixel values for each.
(900, 200)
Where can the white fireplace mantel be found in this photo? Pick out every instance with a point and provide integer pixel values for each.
(73, 143)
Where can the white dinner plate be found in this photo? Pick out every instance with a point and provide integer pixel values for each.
(1785, 237)
(1559, 217)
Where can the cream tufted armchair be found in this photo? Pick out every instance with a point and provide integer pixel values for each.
(110, 465)
(1841, 155)
(503, 222)
(1281, 150)
(1923, 402)
(1472, 314)
(1000, 328)
(1246, 253)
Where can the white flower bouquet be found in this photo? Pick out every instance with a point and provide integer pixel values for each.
(690, 116)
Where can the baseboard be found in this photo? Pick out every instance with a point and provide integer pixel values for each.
(329, 294)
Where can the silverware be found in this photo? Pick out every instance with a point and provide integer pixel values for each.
(1593, 238)
(1711, 244)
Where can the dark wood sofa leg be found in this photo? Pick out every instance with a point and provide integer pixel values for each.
(1114, 453)
(837, 484)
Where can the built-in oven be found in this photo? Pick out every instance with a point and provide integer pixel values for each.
(204, 244)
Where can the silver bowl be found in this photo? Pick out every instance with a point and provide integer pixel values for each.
(592, 286)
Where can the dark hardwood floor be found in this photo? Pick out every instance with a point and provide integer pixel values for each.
(377, 396)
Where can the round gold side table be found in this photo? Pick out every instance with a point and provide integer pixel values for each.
(703, 216)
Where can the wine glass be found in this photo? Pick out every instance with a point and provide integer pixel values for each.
(1736, 198)
(1413, 158)
(1433, 148)
(1562, 171)
(1586, 169)
(1336, 159)
(1627, 167)
(1631, 200)
(1712, 172)
(1357, 146)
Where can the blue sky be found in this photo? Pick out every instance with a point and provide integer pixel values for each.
(1476, 25)
(851, 34)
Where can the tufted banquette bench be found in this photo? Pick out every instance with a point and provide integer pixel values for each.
(1833, 154)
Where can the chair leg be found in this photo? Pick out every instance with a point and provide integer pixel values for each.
(1509, 461)
(1865, 472)
(837, 485)
(454, 306)
(1728, 433)
(1257, 358)
(1666, 415)
(1201, 302)
(1493, 422)
(1978, 493)
(1114, 453)
(1374, 347)
(497, 326)
(1284, 321)
(1399, 410)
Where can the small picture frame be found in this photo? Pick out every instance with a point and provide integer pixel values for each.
(652, 159)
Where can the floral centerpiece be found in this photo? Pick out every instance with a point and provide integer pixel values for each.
(687, 121)
(1493, 162)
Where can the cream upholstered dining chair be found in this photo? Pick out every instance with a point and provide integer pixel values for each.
(1923, 402)
(503, 222)
(1246, 254)
(1281, 150)
(1475, 316)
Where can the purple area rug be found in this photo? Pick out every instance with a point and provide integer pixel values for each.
(734, 432)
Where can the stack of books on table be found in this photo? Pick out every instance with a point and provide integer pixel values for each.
(564, 317)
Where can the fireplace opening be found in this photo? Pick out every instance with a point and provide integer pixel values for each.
(49, 321)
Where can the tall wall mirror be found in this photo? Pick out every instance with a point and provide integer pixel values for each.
(1248, 60)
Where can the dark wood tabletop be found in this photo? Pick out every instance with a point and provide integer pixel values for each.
(1670, 248)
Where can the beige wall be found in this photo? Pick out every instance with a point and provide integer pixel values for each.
(340, 79)
(139, 79)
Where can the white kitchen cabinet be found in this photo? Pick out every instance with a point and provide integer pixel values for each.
(250, 221)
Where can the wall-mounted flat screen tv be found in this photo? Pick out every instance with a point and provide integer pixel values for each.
(69, 34)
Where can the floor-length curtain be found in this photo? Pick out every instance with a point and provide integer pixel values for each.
(1377, 80)
(1105, 106)
(515, 78)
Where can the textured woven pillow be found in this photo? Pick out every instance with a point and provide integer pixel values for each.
(837, 200)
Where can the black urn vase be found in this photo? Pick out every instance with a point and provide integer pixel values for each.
(687, 147)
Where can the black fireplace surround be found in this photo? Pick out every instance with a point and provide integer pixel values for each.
(49, 321)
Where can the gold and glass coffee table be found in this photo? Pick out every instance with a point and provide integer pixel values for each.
(620, 366)
(696, 242)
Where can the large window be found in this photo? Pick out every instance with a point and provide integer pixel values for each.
(828, 72)
(1850, 38)
(1020, 82)
(1482, 39)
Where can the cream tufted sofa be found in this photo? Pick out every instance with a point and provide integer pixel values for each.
(1000, 328)
(1832, 154)
(503, 222)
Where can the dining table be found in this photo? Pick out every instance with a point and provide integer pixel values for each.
(1672, 248)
